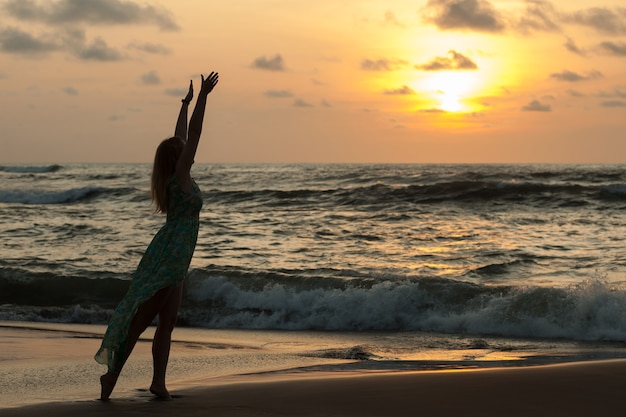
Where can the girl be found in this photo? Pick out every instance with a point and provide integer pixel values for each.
(157, 285)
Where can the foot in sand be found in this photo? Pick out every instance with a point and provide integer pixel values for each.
(160, 391)
(107, 383)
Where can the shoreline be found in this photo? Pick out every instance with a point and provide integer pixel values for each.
(47, 369)
(573, 389)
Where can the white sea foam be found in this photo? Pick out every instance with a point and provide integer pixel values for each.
(593, 310)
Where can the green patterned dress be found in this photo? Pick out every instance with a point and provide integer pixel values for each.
(164, 264)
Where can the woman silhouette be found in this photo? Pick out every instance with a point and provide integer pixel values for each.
(157, 284)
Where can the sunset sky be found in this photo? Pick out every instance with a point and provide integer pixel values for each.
(316, 81)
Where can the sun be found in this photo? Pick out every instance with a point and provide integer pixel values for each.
(450, 102)
(452, 90)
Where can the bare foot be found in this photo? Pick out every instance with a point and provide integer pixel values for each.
(107, 383)
(160, 391)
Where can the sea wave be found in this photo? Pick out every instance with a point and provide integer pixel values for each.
(35, 169)
(592, 310)
(72, 195)
(23, 287)
(458, 192)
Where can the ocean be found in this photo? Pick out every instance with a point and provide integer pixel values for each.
(521, 252)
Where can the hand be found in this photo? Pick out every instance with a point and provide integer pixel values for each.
(189, 95)
(209, 83)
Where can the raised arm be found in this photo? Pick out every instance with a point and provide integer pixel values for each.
(181, 123)
(183, 166)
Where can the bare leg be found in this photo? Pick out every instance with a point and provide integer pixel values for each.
(144, 316)
(162, 341)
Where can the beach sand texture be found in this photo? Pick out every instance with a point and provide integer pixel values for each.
(580, 389)
(587, 388)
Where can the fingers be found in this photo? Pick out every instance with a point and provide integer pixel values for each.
(209, 82)
(213, 78)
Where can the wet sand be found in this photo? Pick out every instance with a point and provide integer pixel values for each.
(579, 389)
(68, 386)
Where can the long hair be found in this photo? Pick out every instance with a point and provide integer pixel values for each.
(165, 159)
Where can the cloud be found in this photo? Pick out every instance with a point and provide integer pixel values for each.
(176, 92)
(150, 78)
(99, 51)
(573, 77)
(620, 92)
(383, 64)
(536, 105)
(571, 46)
(269, 64)
(278, 93)
(64, 16)
(432, 110)
(602, 19)
(539, 15)
(70, 91)
(14, 40)
(151, 48)
(614, 48)
(392, 20)
(617, 92)
(301, 103)
(478, 15)
(613, 103)
(454, 61)
(401, 91)
(575, 93)
(93, 12)
(325, 103)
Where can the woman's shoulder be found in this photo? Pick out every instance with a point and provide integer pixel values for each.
(188, 187)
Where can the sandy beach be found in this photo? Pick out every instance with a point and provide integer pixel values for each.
(582, 388)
